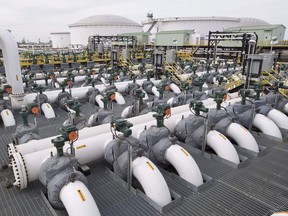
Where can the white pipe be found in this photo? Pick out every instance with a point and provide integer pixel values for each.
(86, 150)
(7, 118)
(48, 110)
(99, 101)
(222, 146)
(284, 213)
(184, 164)
(175, 88)
(80, 92)
(266, 126)
(38, 145)
(242, 136)
(152, 181)
(11, 61)
(155, 91)
(280, 119)
(77, 199)
(119, 98)
(146, 97)
(285, 108)
(125, 112)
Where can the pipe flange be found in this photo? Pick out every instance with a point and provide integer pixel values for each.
(19, 171)
(11, 149)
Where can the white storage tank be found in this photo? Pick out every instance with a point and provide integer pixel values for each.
(60, 39)
(201, 25)
(103, 25)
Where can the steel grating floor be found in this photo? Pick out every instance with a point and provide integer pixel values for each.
(259, 187)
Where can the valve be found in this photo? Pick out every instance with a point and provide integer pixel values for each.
(163, 110)
(74, 105)
(105, 101)
(59, 142)
(201, 82)
(220, 79)
(122, 126)
(6, 89)
(198, 106)
(194, 69)
(161, 88)
(244, 93)
(219, 97)
(24, 114)
(69, 133)
(279, 85)
(258, 89)
(33, 108)
(138, 94)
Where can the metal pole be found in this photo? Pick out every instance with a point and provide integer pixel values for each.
(129, 171)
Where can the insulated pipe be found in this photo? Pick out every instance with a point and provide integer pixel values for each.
(7, 118)
(152, 181)
(222, 146)
(77, 199)
(266, 126)
(184, 164)
(242, 137)
(48, 110)
(280, 119)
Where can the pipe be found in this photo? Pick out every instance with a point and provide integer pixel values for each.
(119, 98)
(86, 150)
(175, 88)
(280, 119)
(12, 68)
(184, 164)
(266, 126)
(99, 101)
(38, 145)
(242, 137)
(80, 92)
(155, 91)
(7, 118)
(11, 62)
(222, 146)
(48, 110)
(77, 199)
(285, 108)
(152, 181)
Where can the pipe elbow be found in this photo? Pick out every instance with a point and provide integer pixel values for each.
(266, 126)
(280, 119)
(152, 181)
(242, 136)
(77, 198)
(185, 165)
(222, 146)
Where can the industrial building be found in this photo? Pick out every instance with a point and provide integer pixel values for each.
(60, 39)
(265, 33)
(101, 25)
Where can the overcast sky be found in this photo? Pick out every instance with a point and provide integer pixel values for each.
(33, 19)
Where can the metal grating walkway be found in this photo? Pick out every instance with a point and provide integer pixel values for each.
(258, 188)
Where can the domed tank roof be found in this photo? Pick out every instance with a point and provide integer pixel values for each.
(105, 20)
(248, 21)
